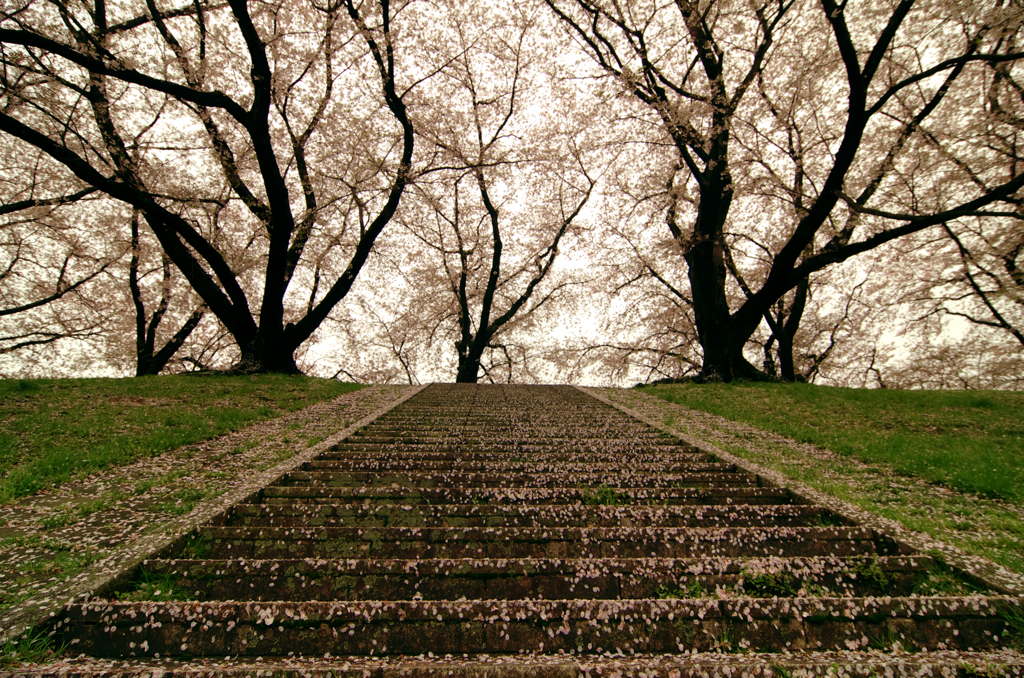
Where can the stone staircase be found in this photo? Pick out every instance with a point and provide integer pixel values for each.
(537, 531)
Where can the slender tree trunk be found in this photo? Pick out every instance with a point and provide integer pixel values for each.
(149, 361)
(153, 363)
(789, 327)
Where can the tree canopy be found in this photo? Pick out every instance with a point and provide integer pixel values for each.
(516, 189)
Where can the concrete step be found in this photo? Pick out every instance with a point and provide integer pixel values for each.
(871, 663)
(532, 542)
(410, 433)
(849, 664)
(531, 578)
(395, 494)
(458, 454)
(468, 479)
(451, 465)
(312, 628)
(598, 442)
(549, 515)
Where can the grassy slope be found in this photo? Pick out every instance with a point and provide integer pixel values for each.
(961, 453)
(54, 429)
(967, 440)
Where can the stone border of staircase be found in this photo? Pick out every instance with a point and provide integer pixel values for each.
(120, 564)
(985, 572)
(702, 665)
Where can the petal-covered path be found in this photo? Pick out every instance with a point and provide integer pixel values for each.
(535, 530)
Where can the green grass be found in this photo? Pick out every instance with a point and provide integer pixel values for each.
(29, 648)
(52, 430)
(603, 495)
(971, 441)
(694, 590)
(184, 500)
(158, 587)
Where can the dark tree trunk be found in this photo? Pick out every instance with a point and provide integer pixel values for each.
(255, 129)
(784, 326)
(153, 363)
(706, 269)
(267, 354)
(148, 361)
(789, 328)
(469, 369)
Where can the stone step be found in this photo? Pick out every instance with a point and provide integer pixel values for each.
(472, 479)
(522, 579)
(581, 627)
(511, 454)
(556, 542)
(395, 493)
(410, 433)
(849, 664)
(522, 466)
(565, 442)
(548, 515)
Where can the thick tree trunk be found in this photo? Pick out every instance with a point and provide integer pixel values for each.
(469, 372)
(469, 366)
(267, 354)
(721, 341)
(706, 270)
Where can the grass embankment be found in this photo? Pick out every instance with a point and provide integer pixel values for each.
(968, 442)
(54, 429)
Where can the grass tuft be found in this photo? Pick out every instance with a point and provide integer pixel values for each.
(694, 590)
(603, 495)
(34, 647)
(197, 547)
(769, 584)
(155, 587)
(943, 580)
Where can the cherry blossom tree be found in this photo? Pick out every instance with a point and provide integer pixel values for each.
(265, 145)
(49, 268)
(512, 170)
(788, 137)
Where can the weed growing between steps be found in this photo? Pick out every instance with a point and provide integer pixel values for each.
(693, 590)
(603, 495)
(769, 585)
(34, 647)
(1014, 618)
(943, 580)
(197, 547)
(155, 587)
